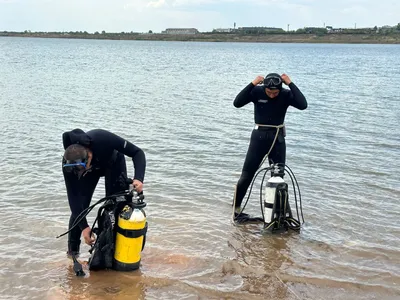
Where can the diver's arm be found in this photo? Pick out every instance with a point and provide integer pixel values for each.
(297, 98)
(245, 96)
(138, 158)
(131, 150)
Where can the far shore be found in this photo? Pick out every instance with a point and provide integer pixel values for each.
(333, 38)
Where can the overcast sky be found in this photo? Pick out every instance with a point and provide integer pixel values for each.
(205, 15)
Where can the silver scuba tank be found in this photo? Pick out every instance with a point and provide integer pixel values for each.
(276, 203)
(270, 198)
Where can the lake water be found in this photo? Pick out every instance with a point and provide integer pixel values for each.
(175, 100)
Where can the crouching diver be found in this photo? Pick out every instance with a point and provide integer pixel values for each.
(271, 102)
(87, 157)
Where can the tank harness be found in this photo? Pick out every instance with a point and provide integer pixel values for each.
(121, 232)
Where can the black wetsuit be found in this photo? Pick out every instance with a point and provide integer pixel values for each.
(267, 111)
(109, 161)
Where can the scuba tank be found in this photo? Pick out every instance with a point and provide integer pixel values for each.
(276, 202)
(130, 238)
(121, 231)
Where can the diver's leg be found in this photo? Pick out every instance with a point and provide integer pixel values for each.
(113, 175)
(254, 156)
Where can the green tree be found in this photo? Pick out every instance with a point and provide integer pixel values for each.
(398, 26)
(150, 31)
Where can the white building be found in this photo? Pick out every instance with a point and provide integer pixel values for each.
(180, 31)
(225, 30)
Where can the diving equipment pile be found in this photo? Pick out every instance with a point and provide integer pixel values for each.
(275, 208)
(121, 232)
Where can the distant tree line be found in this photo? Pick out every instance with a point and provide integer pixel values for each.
(72, 34)
(310, 30)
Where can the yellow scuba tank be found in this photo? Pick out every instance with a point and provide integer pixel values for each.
(130, 238)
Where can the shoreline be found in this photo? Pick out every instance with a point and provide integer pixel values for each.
(332, 38)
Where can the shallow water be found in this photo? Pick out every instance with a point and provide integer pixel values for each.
(174, 100)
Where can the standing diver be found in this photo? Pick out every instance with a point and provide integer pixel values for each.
(87, 157)
(271, 102)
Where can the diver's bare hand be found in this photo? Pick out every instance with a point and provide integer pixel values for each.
(286, 79)
(86, 236)
(138, 185)
(259, 79)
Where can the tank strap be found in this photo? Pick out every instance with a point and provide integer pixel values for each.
(132, 233)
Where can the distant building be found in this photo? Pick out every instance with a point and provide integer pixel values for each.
(330, 29)
(180, 31)
(225, 30)
(260, 29)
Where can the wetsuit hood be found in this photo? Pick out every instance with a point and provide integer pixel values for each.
(76, 136)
